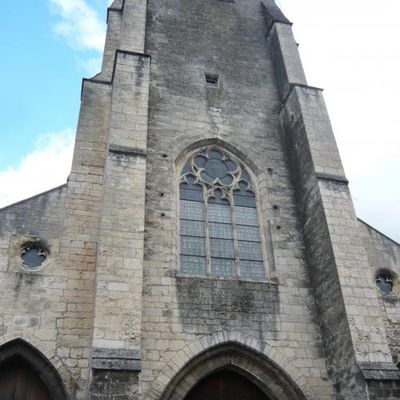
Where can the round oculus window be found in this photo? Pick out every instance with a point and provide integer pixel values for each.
(384, 281)
(33, 255)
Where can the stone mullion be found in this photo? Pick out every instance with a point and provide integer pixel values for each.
(234, 231)
(207, 232)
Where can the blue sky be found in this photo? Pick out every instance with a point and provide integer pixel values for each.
(40, 75)
(48, 46)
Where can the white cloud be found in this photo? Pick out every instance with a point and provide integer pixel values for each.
(91, 65)
(355, 56)
(47, 166)
(79, 24)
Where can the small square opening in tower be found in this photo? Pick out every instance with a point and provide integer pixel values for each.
(212, 80)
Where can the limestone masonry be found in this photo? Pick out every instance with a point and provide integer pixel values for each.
(206, 234)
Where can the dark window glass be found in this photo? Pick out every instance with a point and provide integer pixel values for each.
(222, 248)
(191, 265)
(192, 210)
(220, 231)
(384, 282)
(193, 246)
(33, 255)
(212, 80)
(200, 160)
(193, 195)
(252, 269)
(246, 216)
(219, 213)
(192, 228)
(248, 233)
(223, 268)
(215, 168)
(250, 251)
(187, 168)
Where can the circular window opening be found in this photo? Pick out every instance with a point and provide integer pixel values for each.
(384, 281)
(33, 255)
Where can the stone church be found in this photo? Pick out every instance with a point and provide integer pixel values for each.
(205, 245)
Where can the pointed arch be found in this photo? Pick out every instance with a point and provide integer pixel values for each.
(236, 150)
(20, 351)
(266, 367)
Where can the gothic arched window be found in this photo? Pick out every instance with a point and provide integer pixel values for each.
(219, 228)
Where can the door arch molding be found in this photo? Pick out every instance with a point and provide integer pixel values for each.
(19, 349)
(273, 381)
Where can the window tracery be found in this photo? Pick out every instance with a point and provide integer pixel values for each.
(219, 228)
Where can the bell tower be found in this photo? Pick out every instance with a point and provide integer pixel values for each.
(206, 242)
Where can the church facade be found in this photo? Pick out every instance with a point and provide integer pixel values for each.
(205, 244)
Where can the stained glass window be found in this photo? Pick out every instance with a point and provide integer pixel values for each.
(219, 227)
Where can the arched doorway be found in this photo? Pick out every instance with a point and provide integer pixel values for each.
(19, 381)
(26, 374)
(249, 371)
(226, 385)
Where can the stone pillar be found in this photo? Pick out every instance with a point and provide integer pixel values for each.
(114, 22)
(78, 246)
(133, 28)
(353, 331)
(118, 293)
(119, 271)
(126, 30)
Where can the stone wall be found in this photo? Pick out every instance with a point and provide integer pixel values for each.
(384, 255)
(36, 306)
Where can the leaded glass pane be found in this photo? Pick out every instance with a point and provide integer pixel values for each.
(193, 265)
(223, 267)
(245, 175)
(252, 270)
(227, 180)
(231, 165)
(219, 213)
(193, 195)
(245, 201)
(221, 231)
(248, 233)
(192, 210)
(194, 246)
(187, 168)
(246, 216)
(200, 160)
(192, 228)
(250, 251)
(215, 154)
(222, 248)
(215, 168)
(207, 178)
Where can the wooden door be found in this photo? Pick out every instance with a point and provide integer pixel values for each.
(18, 381)
(225, 385)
